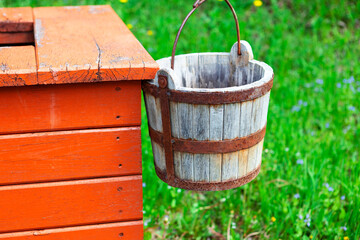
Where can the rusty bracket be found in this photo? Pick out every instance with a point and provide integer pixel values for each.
(166, 123)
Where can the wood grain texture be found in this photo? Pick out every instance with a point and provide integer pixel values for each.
(16, 19)
(53, 156)
(93, 45)
(16, 38)
(69, 106)
(17, 65)
(125, 230)
(185, 116)
(70, 203)
(216, 134)
(231, 131)
(201, 131)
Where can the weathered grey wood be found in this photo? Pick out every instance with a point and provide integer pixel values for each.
(175, 133)
(265, 109)
(259, 152)
(231, 131)
(190, 78)
(243, 162)
(201, 131)
(252, 158)
(185, 115)
(245, 118)
(216, 134)
(207, 71)
(255, 115)
(159, 155)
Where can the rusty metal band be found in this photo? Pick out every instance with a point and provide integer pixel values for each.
(166, 123)
(208, 186)
(195, 6)
(204, 147)
(210, 98)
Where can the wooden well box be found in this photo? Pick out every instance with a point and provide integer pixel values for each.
(70, 115)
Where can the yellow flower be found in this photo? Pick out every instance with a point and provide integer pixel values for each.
(129, 25)
(258, 3)
(123, 1)
(273, 219)
(311, 237)
(150, 33)
(346, 238)
(220, 0)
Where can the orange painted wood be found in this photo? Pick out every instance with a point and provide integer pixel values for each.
(87, 44)
(112, 231)
(17, 66)
(53, 156)
(70, 203)
(69, 106)
(16, 19)
(17, 38)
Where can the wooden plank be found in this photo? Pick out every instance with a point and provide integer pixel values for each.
(125, 231)
(245, 118)
(159, 155)
(175, 132)
(265, 110)
(255, 115)
(54, 156)
(185, 112)
(70, 203)
(201, 131)
(252, 158)
(16, 19)
(216, 134)
(70, 106)
(87, 44)
(17, 66)
(231, 131)
(16, 38)
(243, 162)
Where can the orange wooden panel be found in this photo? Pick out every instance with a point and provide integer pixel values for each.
(70, 106)
(17, 66)
(112, 231)
(17, 38)
(70, 203)
(16, 19)
(52, 156)
(87, 44)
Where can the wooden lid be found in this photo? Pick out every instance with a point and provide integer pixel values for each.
(73, 45)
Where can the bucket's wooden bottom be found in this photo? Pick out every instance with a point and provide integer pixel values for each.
(208, 186)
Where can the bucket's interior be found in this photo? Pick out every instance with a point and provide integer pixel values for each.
(212, 70)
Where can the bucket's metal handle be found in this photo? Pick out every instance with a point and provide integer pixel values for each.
(195, 6)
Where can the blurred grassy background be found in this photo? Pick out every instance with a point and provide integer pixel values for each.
(308, 187)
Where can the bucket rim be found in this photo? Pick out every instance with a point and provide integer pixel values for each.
(164, 64)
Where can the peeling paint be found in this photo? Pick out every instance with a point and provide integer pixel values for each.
(98, 61)
(43, 65)
(77, 8)
(4, 67)
(39, 32)
(98, 9)
(119, 59)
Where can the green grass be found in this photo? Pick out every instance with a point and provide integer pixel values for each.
(303, 41)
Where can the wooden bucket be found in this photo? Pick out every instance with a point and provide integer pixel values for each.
(207, 117)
